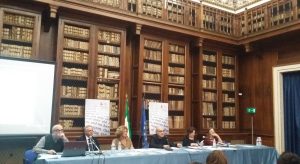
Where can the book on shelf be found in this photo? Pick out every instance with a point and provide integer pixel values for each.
(176, 70)
(107, 91)
(104, 60)
(209, 123)
(210, 58)
(176, 58)
(209, 70)
(175, 122)
(176, 79)
(18, 19)
(113, 109)
(152, 55)
(228, 60)
(209, 84)
(208, 109)
(74, 72)
(72, 91)
(153, 44)
(228, 124)
(156, 77)
(228, 98)
(176, 105)
(105, 73)
(229, 111)
(209, 96)
(228, 73)
(152, 67)
(109, 49)
(74, 56)
(109, 37)
(71, 110)
(152, 88)
(176, 91)
(76, 31)
(76, 44)
(15, 50)
(229, 86)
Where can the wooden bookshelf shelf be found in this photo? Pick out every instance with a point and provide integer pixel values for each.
(19, 33)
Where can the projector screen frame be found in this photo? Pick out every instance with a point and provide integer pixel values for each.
(53, 111)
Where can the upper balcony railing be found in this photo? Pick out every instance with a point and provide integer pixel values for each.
(195, 15)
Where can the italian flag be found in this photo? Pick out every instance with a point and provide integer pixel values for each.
(127, 118)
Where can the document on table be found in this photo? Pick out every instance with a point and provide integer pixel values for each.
(49, 156)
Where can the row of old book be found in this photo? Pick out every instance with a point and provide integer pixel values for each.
(76, 31)
(15, 50)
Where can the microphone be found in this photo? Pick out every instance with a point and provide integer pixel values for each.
(169, 147)
(93, 143)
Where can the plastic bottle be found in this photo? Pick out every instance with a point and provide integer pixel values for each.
(113, 147)
(258, 141)
(120, 146)
(214, 143)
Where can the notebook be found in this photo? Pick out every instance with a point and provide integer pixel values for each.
(74, 148)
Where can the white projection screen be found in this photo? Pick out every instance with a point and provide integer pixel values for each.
(26, 97)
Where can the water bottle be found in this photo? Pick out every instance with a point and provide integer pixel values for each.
(258, 141)
(113, 147)
(214, 143)
(119, 146)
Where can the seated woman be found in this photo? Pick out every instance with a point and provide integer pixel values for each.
(211, 136)
(122, 138)
(189, 139)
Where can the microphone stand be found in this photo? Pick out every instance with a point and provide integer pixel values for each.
(94, 144)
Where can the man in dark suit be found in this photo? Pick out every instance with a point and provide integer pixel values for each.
(91, 141)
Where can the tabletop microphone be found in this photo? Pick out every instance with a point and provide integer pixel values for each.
(93, 142)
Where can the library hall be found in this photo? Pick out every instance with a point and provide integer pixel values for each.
(150, 81)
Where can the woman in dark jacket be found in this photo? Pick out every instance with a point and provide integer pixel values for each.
(189, 139)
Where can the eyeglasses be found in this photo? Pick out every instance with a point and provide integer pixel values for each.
(59, 130)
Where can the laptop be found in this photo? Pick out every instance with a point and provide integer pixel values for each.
(74, 148)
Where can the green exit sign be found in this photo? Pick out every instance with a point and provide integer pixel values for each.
(251, 110)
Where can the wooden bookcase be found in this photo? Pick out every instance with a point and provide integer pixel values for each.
(215, 105)
(176, 85)
(74, 64)
(229, 94)
(90, 62)
(19, 33)
(108, 70)
(161, 76)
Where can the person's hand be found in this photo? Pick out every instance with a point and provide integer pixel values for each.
(179, 145)
(51, 151)
(62, 135)
(166, 146)
(215, 135)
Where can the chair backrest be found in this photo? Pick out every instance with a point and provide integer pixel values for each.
(29, 156)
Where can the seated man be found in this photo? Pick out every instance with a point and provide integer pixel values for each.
(53, 142)
(159, 140)
(90, 140)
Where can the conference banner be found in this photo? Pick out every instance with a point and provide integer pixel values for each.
(97, 115)
(158, 117)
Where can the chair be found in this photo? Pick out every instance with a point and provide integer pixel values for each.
(29, 157)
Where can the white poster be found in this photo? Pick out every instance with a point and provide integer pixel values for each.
(97, 115)
(158, 117)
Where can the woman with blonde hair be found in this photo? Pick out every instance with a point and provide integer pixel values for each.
(211, 136)
(122, 141)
